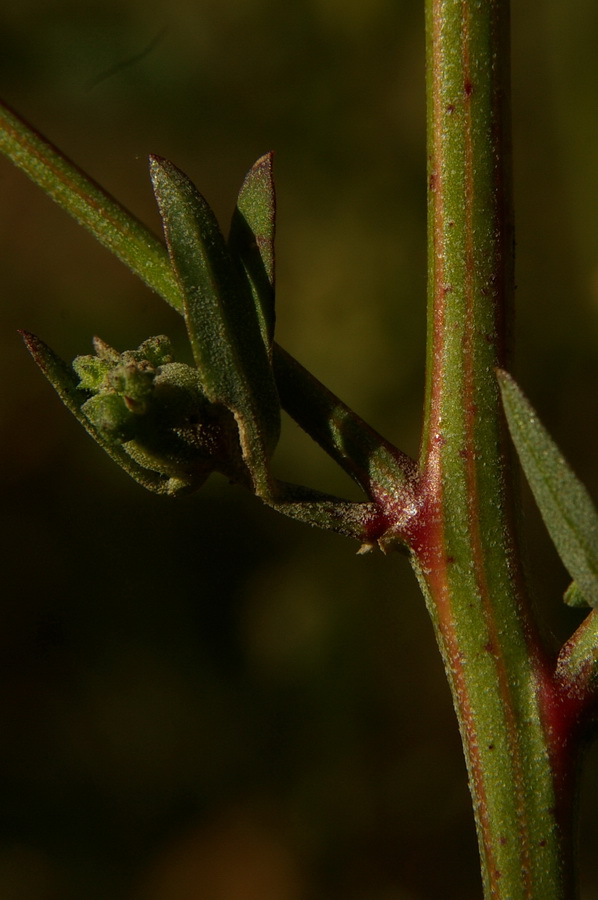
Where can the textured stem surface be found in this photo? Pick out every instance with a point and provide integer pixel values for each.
(464, 548)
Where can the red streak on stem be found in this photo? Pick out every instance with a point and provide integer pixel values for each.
(471, 413)
(430, 541)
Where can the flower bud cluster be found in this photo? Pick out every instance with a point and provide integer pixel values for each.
(156, 409)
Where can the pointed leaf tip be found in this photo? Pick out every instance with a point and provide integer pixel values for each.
(54, 368)
(221, 317)
(31, 342)
(564, 503)
(251, 240)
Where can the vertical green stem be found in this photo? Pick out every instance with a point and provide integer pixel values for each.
(464, 549)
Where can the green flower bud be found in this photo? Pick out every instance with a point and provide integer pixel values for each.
(109, 414)
(156, 350)
(92, 372)
(135, 382)
(156, 410)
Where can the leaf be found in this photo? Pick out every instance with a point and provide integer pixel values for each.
(221, 318)
(565, 505)
(251, 240)
(380, 469)
(113, 226)
(65, 382)
(353, 519)
(574, 597)
(135, 245)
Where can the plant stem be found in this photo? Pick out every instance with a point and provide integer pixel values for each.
(464, 547)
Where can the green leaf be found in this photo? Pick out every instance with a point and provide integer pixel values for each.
(353, 519)
(221, 319)
(574, 597)
(379, 468)
(565, 505)
(113, 226)
(135, 245)
(66, 383)
(251, 240)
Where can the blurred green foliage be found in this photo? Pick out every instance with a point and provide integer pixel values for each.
(197, 698)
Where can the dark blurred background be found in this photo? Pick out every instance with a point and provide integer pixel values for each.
(199, 699)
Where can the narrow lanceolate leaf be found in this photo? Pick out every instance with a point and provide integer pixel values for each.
(65, 382)
(113, 226)
(221, 318)
(565, 505)
(251, 240)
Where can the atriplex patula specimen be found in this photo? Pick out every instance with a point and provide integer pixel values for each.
(522, 710)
